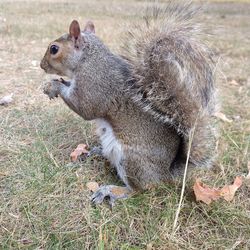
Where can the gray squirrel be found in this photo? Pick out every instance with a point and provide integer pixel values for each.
(145, 102)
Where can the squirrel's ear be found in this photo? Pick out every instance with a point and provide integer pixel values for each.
(89, 27)
(74, 29)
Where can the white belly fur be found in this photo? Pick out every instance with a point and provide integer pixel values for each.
(111, 147)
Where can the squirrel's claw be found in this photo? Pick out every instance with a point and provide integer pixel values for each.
(109, 191)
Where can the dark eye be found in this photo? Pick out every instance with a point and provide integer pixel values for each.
(53, 49)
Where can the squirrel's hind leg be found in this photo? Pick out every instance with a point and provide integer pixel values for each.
(112, 192)
(203, 148)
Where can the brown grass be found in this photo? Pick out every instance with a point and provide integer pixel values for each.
(45, 204)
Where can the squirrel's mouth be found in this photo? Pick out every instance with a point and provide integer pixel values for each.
(47, 68)
(44, 65)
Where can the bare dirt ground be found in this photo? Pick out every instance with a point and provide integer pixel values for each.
(45, 205)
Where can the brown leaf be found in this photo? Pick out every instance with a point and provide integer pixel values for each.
(205, 193)
(81, 149)
(222, 116)
(228, 191)
(92, 186)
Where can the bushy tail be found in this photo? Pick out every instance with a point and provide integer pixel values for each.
(173, 71)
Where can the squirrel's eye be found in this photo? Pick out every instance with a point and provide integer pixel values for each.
(53, 49)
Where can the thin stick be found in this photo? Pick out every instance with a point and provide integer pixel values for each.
(191, 135)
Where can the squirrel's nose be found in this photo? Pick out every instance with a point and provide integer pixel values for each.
(43, 64)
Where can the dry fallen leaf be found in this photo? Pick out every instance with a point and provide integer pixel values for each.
(228, 191)
(92, 186)
(222, 117)
(6, 99)
(205, 193)
(81, 149)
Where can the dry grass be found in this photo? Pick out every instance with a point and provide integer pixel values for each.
(45, 204)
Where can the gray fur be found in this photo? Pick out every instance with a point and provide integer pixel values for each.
(173, 74)
(151, 99)
(173, 71)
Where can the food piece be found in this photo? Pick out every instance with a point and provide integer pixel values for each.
(81, 149)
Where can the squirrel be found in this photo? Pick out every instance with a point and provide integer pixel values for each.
(145, 102)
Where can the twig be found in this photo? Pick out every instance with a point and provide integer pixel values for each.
(191, 135)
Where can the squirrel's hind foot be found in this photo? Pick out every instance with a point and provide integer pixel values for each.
(110, 191)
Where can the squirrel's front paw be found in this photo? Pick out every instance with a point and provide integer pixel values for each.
(52, 88)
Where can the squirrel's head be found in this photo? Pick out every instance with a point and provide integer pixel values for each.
(63, 55)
